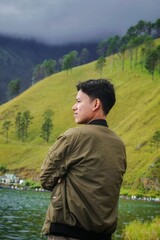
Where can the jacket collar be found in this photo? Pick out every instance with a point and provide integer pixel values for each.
(100, 122)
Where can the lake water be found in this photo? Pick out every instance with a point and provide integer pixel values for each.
(22, 213)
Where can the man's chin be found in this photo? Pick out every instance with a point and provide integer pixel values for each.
(78, 121)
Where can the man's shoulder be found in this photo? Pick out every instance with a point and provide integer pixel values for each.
(75, 131)
(85, 130)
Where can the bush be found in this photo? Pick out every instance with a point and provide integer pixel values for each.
(3, 169)
(138, 231)
(32, 184)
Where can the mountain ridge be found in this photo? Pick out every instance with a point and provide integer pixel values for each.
(18, 57)
(134, 118)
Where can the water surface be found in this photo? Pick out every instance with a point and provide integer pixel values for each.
(22, 213)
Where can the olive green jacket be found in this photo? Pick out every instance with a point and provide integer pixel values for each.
(84, 171)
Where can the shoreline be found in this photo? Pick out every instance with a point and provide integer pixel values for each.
(132, 197)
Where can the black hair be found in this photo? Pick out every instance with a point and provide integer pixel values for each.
(102, 89)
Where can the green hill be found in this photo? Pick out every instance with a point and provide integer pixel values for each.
(18, 58)
(135, 117)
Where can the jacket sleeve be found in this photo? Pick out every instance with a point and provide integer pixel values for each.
(54, 165)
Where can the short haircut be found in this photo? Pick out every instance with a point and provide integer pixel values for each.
(102, 89)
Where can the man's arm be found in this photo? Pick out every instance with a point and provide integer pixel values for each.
(54, 165)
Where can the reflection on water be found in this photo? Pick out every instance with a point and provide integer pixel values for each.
(22, 213)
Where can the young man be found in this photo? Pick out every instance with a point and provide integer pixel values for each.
(84, 170)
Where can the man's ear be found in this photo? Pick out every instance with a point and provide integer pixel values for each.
(96, 104)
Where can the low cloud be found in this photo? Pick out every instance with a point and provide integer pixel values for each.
(68, 21)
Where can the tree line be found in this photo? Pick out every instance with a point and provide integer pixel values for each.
(138, 43)
(23, 120)
(67, 62)
(141, 34)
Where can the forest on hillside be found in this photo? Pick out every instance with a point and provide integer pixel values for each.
(18, 58)
(23, 63)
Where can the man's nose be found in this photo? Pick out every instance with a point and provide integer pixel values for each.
(74, 107)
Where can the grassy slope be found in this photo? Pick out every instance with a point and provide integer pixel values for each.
(135, 117)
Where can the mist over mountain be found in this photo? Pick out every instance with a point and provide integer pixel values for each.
(18, 57)
(64, 22)
(60, 27)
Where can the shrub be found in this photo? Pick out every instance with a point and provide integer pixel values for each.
(137, 230)
(3, 169)
(29, 183)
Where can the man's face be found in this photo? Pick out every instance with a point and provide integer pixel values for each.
(83, 108)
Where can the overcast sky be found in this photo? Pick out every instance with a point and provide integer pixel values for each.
(68, 21)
